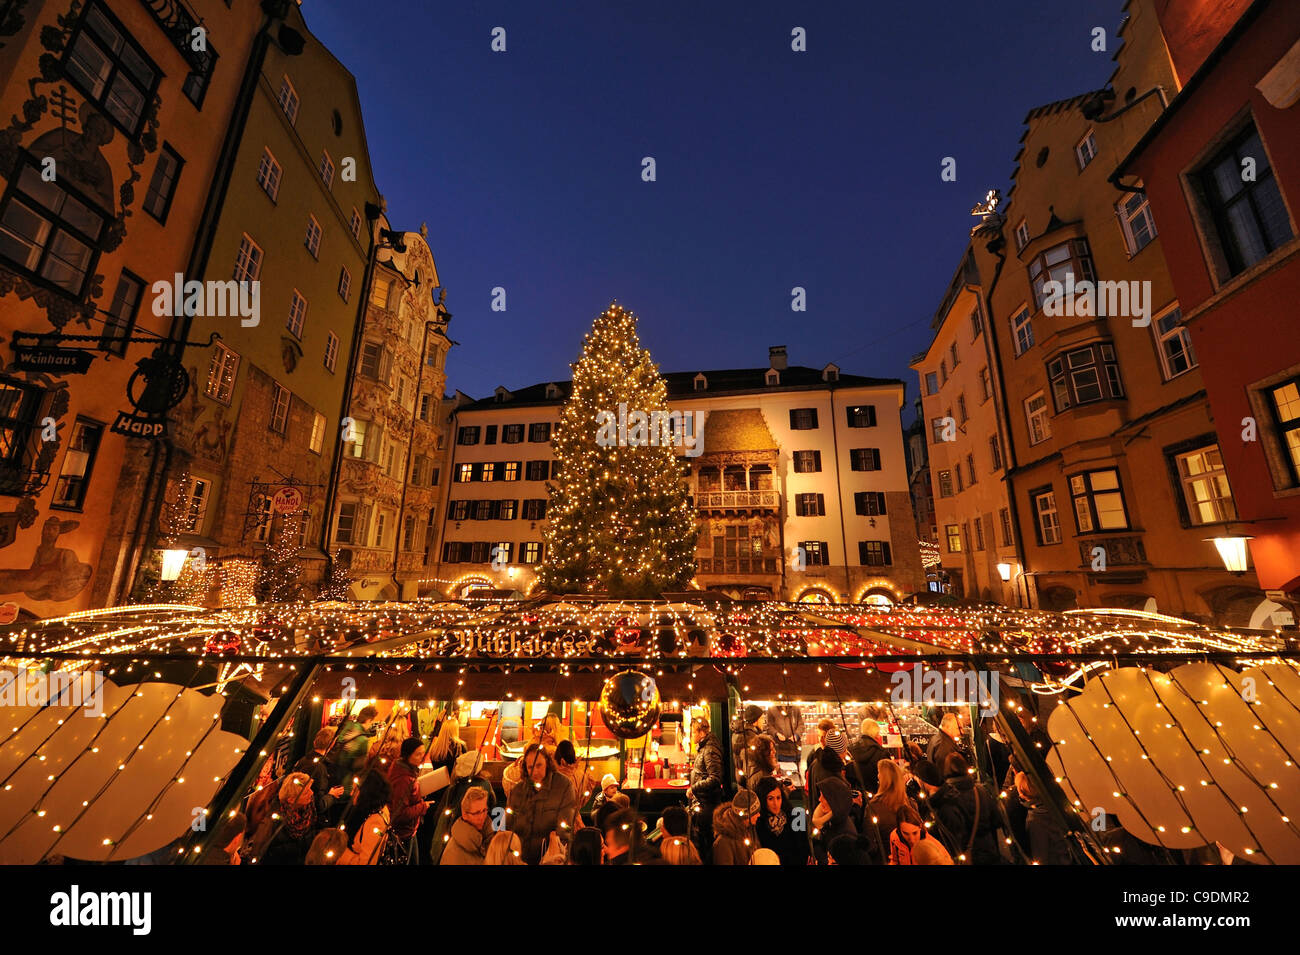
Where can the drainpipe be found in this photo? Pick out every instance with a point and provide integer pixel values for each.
(839, 500)
(274, 10)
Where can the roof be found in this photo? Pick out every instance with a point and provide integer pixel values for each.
(681, 384)
(743, 429)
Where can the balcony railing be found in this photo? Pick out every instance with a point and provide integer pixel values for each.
(719, 500)
(736, 565)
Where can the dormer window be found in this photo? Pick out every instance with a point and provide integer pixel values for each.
(773, 377)
(501, 394)
(831, 373)
(701, 383)
(552, 390)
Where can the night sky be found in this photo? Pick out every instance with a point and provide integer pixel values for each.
(775, 169)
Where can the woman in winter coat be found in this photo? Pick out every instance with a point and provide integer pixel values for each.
(733, 830)
(762, 761)
(833, 815)
(366, 822)
(905, 837)
(775, 827)
(1047, 837)
(406, 806)
(543, 801)
(967, 811)
(882, 810)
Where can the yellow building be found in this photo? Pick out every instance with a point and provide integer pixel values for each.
(114, 116)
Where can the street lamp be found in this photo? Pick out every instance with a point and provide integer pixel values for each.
(1233, 552)
(172, 563)
(1004, 571)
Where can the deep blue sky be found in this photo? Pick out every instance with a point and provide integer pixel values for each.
(775, 169)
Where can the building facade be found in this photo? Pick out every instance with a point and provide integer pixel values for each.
(384, 517)
(798, 477)
(1222, 168)
(972, 515)
(115, 112)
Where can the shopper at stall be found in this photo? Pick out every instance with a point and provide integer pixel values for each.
(327, 848)
(824, 726)
(467, 840)
(829, 763)
(625, 842)
(366, 821)
(733, 829)
(833, 815)
(928, 781)
(224, 847)
(325, 789)
(504, 849)
(543, 801)
(967, 810)
(909, 832)
(547, 734)
(1048, 838)
(706, 787)
(447, 746)
(566, 761)
(587, 847)
(882, 810)
(352, 745)
(945, 741)
(406, 806)
(866, 752)
(776, 824)
(754, 721)
(785, 726)
(762, 761)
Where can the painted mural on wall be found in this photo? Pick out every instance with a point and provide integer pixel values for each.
(56, 573)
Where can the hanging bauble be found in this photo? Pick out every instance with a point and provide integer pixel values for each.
(629, 704)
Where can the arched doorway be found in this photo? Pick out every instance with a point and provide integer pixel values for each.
(816, 595)
(878, 597)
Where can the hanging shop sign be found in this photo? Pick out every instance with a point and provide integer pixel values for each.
(157, 385)
(52, 360)
(286, 500)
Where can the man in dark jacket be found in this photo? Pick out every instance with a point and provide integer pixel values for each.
(706, 787)
(964, 807)
(785, 726)
(320, 768)
(542, 802)
(867, 753)
(742, 754)
(833, 815)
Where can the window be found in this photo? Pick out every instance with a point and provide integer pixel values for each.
(162, 185)
(512, 433)
(803, 419)
(1085, 375)
(297, 314)
(862, 416)
(510, 471)
(354, 224)
(986, 384)
(331, 351)
(222, 370)
(809, 505)
(248, 261)
(976, 323)
(379, 290)
(288, 99)
(945, 484)
(970, 469)
(807, 462)
(490, 435)
(555, 469)
(952, 350)
(1022, 331)
(1135, 219)
(1058, 264)
(269, 173)
(1036, 418)
(937, 428)
(957, 473)
(48, 232)
(531, 552)
(361, 445)
(426, 405)
(195, 86)
(1205, 486)
(961, 409)
(195, 502)
(110, 68)
(345, 283)
(20, 406)
(869, 502)
(480, 552)
(381, 528)
(503, 552)
(1086, 150)
(120, 320)
(1174, 344)
(1046, 521)
(873, 553)
(931, 383)
(489, 471)
(539, 432)
(1098, 501)
(459, 510)
(374, 362)
(264, 518)
(280, 409)
(451, 552)
(467, 435)
(1004, 515)
(78, 462)
(815, 553)
(864, 459)
(953, 534)
(1022, 235)
(943, 371)
(326, 169)
(507, 510)
(534, 509)
(408, 533)
(312, 241)
(1249, 218)
(483, 511)
(1285, 399)
(317, 440)
(535, 471)
(979, 534)
(995, 452)
(433, 477)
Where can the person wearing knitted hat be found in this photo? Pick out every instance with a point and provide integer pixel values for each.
(733, 828)
(608, 790)
(830, 763)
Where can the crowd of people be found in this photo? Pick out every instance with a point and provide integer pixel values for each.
(856, 804)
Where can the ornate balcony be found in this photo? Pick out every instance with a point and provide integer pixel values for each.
(769, 500)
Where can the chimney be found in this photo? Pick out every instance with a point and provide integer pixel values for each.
(776, 355)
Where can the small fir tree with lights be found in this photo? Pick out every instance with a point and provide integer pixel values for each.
(279, 577)
(619, 521)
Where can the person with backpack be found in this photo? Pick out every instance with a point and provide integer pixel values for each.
(352, 745)
(967, 810)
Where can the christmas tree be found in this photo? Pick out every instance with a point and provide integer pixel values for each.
(619, 518)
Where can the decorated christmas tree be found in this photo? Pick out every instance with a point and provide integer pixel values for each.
(619, 518)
